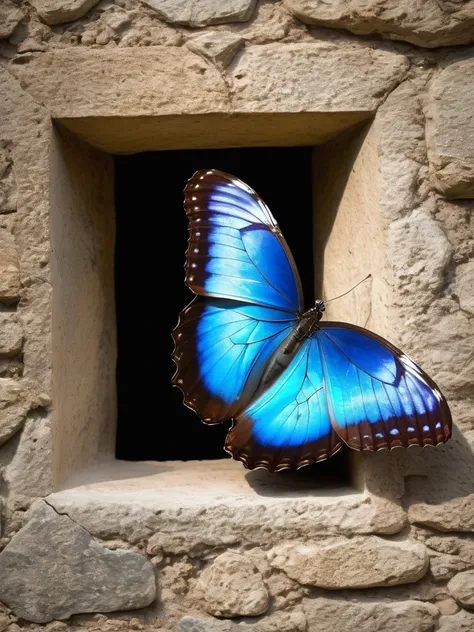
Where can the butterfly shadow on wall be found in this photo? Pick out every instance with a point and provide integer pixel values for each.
(296, 387)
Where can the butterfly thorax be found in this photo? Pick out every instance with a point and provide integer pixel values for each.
(307, 324)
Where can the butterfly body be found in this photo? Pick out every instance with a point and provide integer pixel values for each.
(295, 387)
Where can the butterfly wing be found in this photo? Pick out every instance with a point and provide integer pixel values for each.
(236, 250)
(221, 348)
(249, 294)
(378, 398)
(288, 426)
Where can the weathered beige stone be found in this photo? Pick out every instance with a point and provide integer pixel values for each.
(345, 616)
(81, 575)
(203, 12)
(450, 130)
(461, 622)
(352, 563)
(59, 11)
(11, 335)
(312, 77)
(205, 505)
(233, 587)
(443, 567)
(9, 268)
(276, 622)
(461, 587)
(461, 546)
(463, 284)
(15, 402)
(429, 24)
(8, 195)
(220, 47)
(150, 81)
(10, 17)
(453, 515)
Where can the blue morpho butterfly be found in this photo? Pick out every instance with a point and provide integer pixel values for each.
(295, 388)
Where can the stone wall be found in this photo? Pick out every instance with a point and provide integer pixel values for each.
(385, 93)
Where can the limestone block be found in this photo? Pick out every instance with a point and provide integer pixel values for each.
(15, 401)
(59, 11)
(276, 622)
(461, 622)
(346, 616)
(155, 80)
(428, 24)
(450, 130)
(461, 547)
(461, 587)
(203, 12)
(8, 193)
(218, 46)
(10, 16)
(314, 77)
(233, 587)
(464, 284)
(11, 336)
(352, 563)
(9, 268)
(53, 568)
(453, 515)
(443, 566)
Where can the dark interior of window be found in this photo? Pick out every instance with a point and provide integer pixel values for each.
(153, 423)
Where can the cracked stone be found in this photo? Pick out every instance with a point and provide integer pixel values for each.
(352, 563)
(276, 622)
(59, 11)
(8, 193)
(429, 24)
(11, 335)
(233, 587)
(77, 576)
(461, 588)
(15, 403)
(220, 47)
(204, 12)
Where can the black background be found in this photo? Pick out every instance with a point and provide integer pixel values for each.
(153, 423)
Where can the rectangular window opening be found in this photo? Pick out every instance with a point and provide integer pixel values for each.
(153, 423)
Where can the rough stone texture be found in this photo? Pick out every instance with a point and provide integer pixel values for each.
(81, 576)
(233, 587)
(345, 616)
(353, 563)
(59, 11)
(10, 17)
(15, 402)
(309, 77)
(450, 130)
(463, 284)
(9, 268)
(11, 335)
(429, 24)
(204, 12)
(461, 587)
(277, 622)
(460, 546)
(454, 515)
(220, 47)
(107, 82)
(257, 509)
(461, 622)
(8, 195)
(443, 567)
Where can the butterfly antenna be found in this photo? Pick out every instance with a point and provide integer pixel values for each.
(352, 288)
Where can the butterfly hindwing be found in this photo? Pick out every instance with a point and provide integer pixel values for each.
(236, 250)
(221, 348)
(378, 398)
(287, 426)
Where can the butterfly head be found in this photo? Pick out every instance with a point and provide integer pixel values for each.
(319, 308)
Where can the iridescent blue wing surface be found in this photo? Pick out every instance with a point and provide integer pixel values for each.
(249, 295)
(288, 426)
(221, 349)
(378, 398)
(236, 250)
